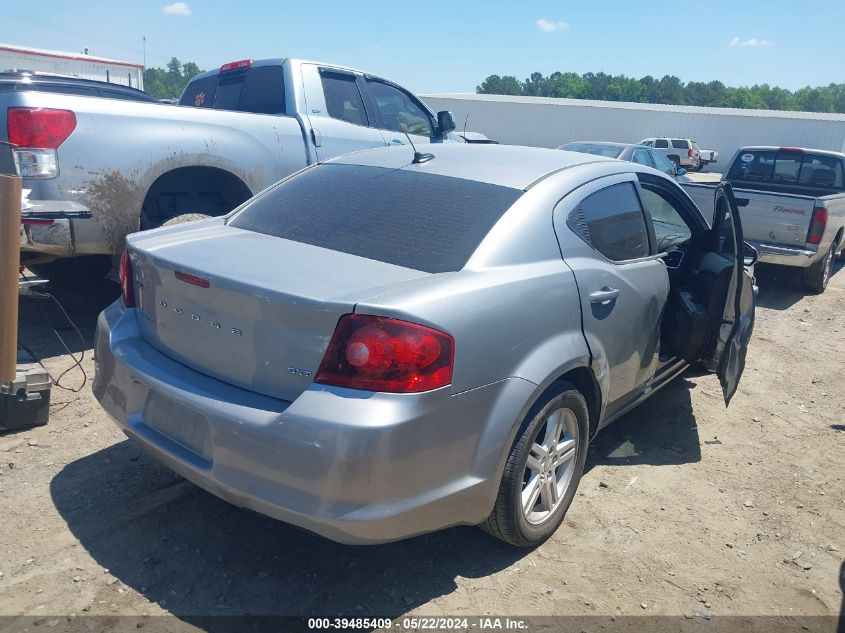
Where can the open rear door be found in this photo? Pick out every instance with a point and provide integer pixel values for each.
(728, 355)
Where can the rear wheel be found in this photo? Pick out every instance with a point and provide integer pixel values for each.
(816, 277)
(186, 217)
(543, 469)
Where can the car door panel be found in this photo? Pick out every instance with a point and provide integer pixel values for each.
(737, 325)
(339, 118)
(622, 302)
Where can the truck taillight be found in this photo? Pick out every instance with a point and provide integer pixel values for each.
(690, 153)
(382, 354)
(35, 134)
(127, 283)
(238, 65)
(817, 225)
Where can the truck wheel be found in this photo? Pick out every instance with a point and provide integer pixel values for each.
(186, 217)
(815, 277)
(74, 270)
(543, 469)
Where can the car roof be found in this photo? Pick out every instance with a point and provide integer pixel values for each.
(607, 144)
(512, 166)
(776, 148)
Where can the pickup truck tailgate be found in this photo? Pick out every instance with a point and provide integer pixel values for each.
(774, 218)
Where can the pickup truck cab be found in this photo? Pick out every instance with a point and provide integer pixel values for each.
(792, 202)
(236, 130)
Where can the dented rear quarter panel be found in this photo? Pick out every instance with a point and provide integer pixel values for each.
(119, 149)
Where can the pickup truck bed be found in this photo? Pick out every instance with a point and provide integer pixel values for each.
(793, 214)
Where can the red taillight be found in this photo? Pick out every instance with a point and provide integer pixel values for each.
(382, 354)
(41, 128)
(690, 153)
(127, 285)
(817, 225)
(192, 279)
(238, 65)
(791, 150)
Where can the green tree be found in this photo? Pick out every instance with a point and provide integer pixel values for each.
(169, 82)
(496, 85)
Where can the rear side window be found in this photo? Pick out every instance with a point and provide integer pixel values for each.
(260, 90)
(407, 218)
(343, 99)
(678, 143)
(609, 151)
(641, 156)
(612, 222)
(661, 143)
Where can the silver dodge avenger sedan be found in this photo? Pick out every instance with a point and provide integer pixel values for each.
(386, 344)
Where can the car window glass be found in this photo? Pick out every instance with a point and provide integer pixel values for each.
(343, 100)
(641, 156)
(661, 143)
(670, 229)
(397, 107)
(612, 222)
(199, 93)
(407, 218)
(662, 163)
(647, 143)
(819, 170)
(678, 143)
(753, 165)
(610, 151)
(726, 245)
(786, 168)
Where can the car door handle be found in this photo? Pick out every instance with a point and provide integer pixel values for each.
(397, 141)
(604, 296)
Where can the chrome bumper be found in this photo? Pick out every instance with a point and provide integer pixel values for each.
(43, 232)
(785, 255)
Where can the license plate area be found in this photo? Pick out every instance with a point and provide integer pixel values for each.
(178, 423)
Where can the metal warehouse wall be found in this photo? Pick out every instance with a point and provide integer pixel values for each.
(86, 69)
(542, 122)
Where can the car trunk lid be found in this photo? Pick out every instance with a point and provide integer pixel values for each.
(253, 310)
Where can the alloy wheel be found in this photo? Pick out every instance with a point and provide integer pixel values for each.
(550, 464)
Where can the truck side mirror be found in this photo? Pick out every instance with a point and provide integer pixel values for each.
(445, 122)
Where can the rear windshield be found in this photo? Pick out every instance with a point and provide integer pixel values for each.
(260, 90)
(800, 169)
(407, 218)
(599, 150)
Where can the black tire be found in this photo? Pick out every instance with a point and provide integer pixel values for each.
(73, 270)
(815, 277)
(186, 217)
(508, 521)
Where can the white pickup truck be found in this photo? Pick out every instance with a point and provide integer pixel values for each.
(792, 204)
(236, 130)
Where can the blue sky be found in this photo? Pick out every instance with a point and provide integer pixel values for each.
(452, 46)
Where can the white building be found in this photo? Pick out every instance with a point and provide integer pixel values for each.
(114, 71)
(544, 122)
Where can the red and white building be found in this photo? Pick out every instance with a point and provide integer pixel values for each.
(13, 57)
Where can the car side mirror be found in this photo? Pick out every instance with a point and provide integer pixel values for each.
(682, 171)
(445, 122)
(749, 255)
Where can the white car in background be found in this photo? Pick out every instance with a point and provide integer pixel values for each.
(684, 152)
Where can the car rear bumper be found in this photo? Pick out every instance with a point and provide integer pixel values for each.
(785, 255)
(353, 466)
(50, 236)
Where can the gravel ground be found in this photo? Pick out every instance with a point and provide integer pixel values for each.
(686, 508)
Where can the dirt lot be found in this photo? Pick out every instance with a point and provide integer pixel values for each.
(686, 508)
